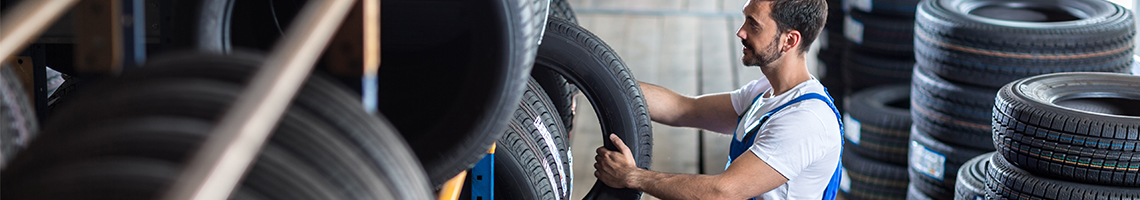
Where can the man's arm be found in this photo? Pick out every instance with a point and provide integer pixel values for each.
(747, 177)
(712, 112)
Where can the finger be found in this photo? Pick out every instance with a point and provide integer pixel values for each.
(602, 150)
(619, 144)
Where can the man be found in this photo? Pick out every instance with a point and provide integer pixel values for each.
(786, 132)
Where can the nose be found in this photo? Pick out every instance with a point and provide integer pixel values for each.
(741, 34)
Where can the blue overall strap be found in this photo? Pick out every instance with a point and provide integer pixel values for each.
(738, 147)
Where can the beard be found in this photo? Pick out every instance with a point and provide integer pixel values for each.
(763, 57)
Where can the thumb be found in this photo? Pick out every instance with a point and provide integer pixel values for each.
(619, 144)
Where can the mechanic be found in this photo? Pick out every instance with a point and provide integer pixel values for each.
(787, 137)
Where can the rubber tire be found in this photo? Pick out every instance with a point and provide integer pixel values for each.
(593, 66)
(1035, 125)
(887, 8)
(560, 91)
(883, 130)
(864, 69)
(495, 49)
(912, 193)
(952, 157)
(971, 183)
(374, 154)
(885, 36)
(534, 140)
(1005, 181)
(18, 122)
(952, 112)
(991, 52)
(873, 179)
(481, 86)
(562, 10)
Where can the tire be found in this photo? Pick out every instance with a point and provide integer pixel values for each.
(165, 111)
(884, 35)
(952, 112)
(962, 41)
(561, 94)
(497, 51)
(892, 8)
(971, 182)
(496, 47)
(878, 123)
(871, 179)
(560, 91)
(1006, 181)
(1078, 126)
(865, 70)
(934, 165)
(536, 131)
(562, 10)
(912, 193)
(18, 122)
(593, 66)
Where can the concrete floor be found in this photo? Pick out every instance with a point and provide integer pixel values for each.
(688, 46)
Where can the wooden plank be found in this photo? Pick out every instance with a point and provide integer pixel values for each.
(716, 69)
(703, 5)
(642, 42)
(677, 70)
(581, 4)
(733, 6)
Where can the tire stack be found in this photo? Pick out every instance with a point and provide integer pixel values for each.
(1075, 132)
(966, 49)
(133, 135)
(880, 48)
(877, 126)
(877, 59)
(832, 43)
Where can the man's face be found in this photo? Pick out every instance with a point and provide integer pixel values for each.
(759, 35)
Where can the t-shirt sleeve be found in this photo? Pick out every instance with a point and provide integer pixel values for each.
(742, 97)
(791, 141)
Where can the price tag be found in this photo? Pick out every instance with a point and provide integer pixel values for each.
(851, 128)
(927, 162)
(845, 182)
(853, 30)
(863, 5)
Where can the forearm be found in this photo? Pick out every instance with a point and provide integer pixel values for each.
(681, 186)
(710, 112)
(665, 106)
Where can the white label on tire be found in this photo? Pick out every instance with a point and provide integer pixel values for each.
(851, 128)
(557, 158)
(845, 182)
(853, 29)
(863, 5)
(927, 162)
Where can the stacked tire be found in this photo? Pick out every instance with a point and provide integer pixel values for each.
(877, 126)
(966, 49)
(1077, 132)
(132, 136)
(832, 43)
(880, 48)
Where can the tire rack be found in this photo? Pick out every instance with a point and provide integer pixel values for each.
(218, 166)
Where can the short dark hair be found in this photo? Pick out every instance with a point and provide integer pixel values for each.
(806, 16)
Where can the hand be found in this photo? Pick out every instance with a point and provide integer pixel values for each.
(615, 168)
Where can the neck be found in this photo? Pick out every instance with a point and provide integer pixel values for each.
(787, 74)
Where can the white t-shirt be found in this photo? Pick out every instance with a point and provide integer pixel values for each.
(801, 142)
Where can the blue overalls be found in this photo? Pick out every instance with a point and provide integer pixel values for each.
(738, 147)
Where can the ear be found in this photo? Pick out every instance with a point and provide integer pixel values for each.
(792, 40)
